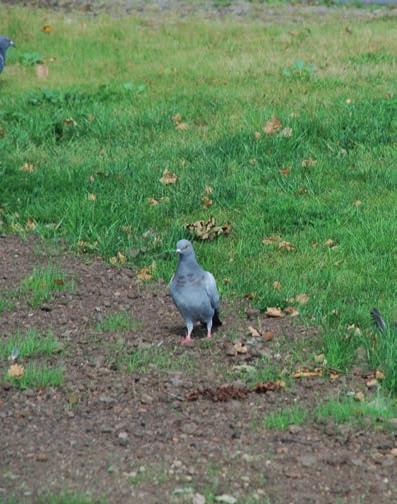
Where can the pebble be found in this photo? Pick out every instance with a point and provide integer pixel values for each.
(123, 438)
(198, 499)
(226, 499)
(308, 460)
(146, 399)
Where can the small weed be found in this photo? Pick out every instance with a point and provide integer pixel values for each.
(69, 499)
(140, 361)
(5, 304)
(140, 477)
(280, 420)
(30, 58)
(346, 409)
(118, 322)
(261, 372)
(42, 283)
(382, 350)
(38, 377)
(29, 344)
(299, 70)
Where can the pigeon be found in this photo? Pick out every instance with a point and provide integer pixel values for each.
(194, 292)
(5, 43)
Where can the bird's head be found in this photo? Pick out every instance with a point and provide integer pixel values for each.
(5, 43)
(184, 248)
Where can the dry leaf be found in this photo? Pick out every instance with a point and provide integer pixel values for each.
(272, 126)
(286, 246)
(257, 135)
(274, 312)
(379, 375)
(254, 332)
(70, 122)
(41, 71)
(285, 171)
(271, 240)
(240, 348)
(359, 396)
(277, 285)
(47, 29)
(286, 132)
(372, 383)
(177, 118)
(330, 243)
(27, 168)
(305, 372)
(208, 189)
(319, 359)
(153, 201)
(249, 296)
(91, 197)
(306, 163)
(59, 281)
(30, 224)
(168, 177)
(268, 336)
(208, 230)
(182, 126)
(269, 386)
(146, 273)
(16, 371)
(357, 203)
(206, 201)
(121, 258)
(302, 298)
(291, 311)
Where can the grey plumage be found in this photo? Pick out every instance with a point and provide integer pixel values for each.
(194, 291)
(5, 43)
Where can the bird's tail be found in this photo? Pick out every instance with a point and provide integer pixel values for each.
(378, 320)
(216, 321)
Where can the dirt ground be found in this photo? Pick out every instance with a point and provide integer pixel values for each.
(136, 437)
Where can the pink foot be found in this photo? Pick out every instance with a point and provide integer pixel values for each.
(187, 341)
(209, 335)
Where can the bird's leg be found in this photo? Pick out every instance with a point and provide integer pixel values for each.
(188, 338)
(209, 328)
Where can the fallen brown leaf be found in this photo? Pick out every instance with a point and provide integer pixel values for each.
(269, 386)
(168, 177)
(30, 224)
(16, 371)
(274, 312)
(359, 396)
(291, 311)
(268, 336)
(27, 168)
(121, 258)
(286, 246)
(59, 281)
(208, 230)
(272, 126)
(330, 243)
(285, 171)
(177, 118)
(249, 296)
(257, 135)
(145, 274)
(302, 298)
(277, 285)
(153, 201)
(69, 121)
(208, 190)
(271, 240)
(379, 375)
(47, 29)
(91, 197)
(305, 372)
(240, 347)
(206, 201)
(182, 126)
(41, 71)
(307, 163)
(254, 332)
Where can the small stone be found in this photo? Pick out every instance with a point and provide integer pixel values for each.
(393, 422)
(106, 429)
(226, 499)
(106, 399)
(189, 428)
(41, 457)
(198, 499)
(123, 438)
(146, 399)
(46, 307)
(308, 460)
(294, 429)
(252, 313)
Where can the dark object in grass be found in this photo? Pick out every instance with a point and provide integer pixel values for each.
(218, 394)
(5, 43)
(378, 320)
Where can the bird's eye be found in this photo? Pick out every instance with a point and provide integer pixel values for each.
(185, 247)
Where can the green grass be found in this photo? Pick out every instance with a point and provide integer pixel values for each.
(5, 304)
(142, 360)
(120, 322)
(37, 376)
(66, 498)
(31, 343)
(343, 410)
(101, 125)
(42, 283)
(282, 419)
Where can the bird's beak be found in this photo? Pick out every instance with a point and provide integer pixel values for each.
(178, 251)
(12, 43)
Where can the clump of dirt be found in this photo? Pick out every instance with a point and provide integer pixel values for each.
(124, 425)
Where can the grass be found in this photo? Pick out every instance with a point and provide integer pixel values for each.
(142, 360)
(282, 419)
(42, 283)
(342, 410)
(5, 304)
(98, 133)
(37, 376)
(118, 322)
(29, 344)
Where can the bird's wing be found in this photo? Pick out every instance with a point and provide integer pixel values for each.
(211, 289)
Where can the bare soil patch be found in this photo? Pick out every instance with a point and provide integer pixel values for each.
(142, 436)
